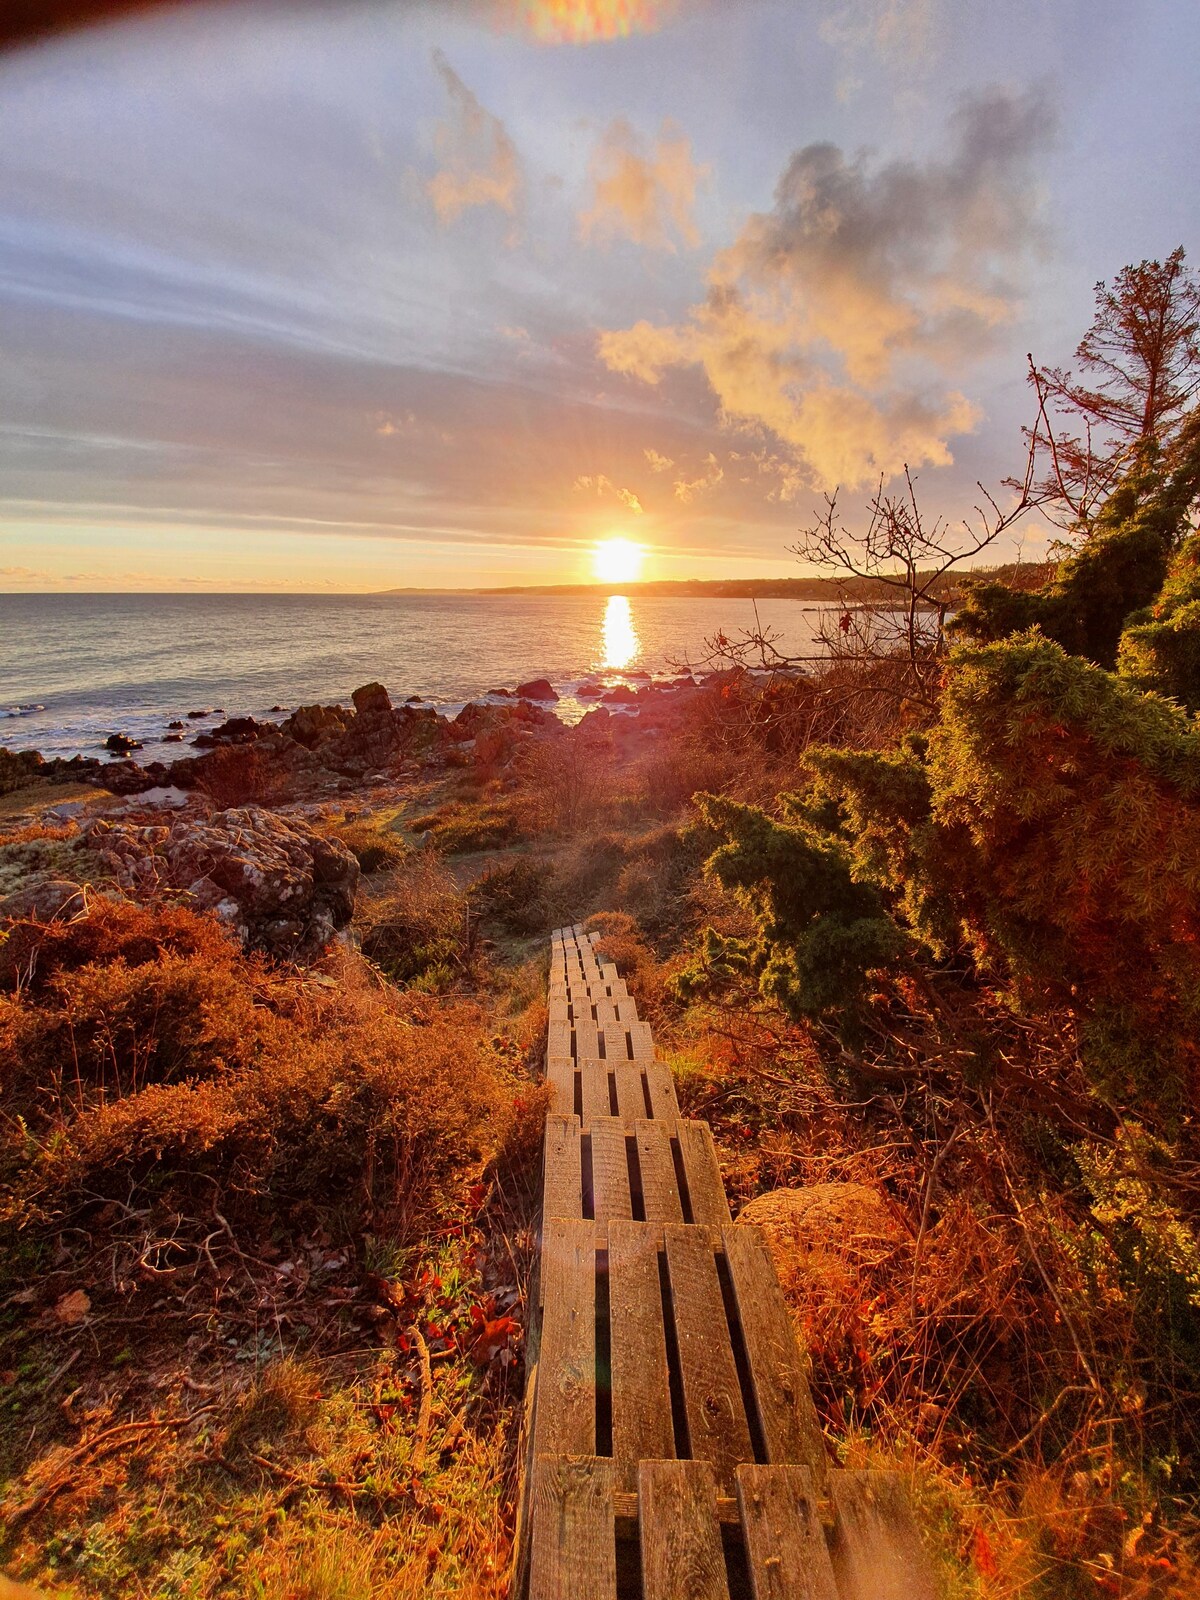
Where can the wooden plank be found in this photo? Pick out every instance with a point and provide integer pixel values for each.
(587, 1040)
(785, 1543)
(560, 1074)
(605, 1013)
(593, 1078)
(641, 1395)
(682, 1558)
(558, 1039)
(559, 1013)
(877, 1549)
(790, 1428)
(641, 1041)
(616, 1043)
(562, 1186)
(626, 1009)
(610, 1169)
(609, 972)
(703, 1173)
(565, 1411)
(661, 1085)
(574, 1554)
(716, 1420)
(660, 1191)
(631, 1096)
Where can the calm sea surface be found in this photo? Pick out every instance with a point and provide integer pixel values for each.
(75, 668)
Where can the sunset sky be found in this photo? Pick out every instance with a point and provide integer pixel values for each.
(375, 295)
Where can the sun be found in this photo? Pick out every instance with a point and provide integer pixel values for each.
(617, 560)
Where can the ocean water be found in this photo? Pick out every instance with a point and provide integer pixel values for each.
(76, 668)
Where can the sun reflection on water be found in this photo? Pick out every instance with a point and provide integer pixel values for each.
(621, 643)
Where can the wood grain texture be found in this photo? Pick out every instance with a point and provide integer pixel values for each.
(660, 1191)
(661, 1085)
(562, 1188)
(565, 1411)
(703, 1173)
(641, 1396)
(610, 1168)
(785, 1543)
(877, 1548)
(605, 1013)
(587, 1041)
(574, 1545)
(777, 1370)
(626, 1009)
(716, 1419)
(558, 1039)
(597, 1099)
(560, 1074)
(682, 1557)
(641, 1041)
(631, 1096)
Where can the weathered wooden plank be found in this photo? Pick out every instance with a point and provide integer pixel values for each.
(790, 1428)
(682, 1557)
(716, 1419)
(616, 1044)
(626, 1009)
(641, 1041)
(562, 1187)
(877, 1549)
(560, 1074)
(610, 1169)
(559, 1013)
(660, 1191)
(605, 1013)
(661, 1084)
(785, 1543)
(597, 1100)
(558, 1039)
(574, 1554)
(641, 1395)
(609, 972)
(631, 1096)
(702, 1171)
(587, 1040)
(565, 1412)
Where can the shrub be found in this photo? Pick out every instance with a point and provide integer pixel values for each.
(518, 895)
(461, 826)
(418, 930)
(1160, 647)
(567, 780)
(375, 848)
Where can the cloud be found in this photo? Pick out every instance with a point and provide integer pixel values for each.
(657, 462)
(687, 492)
(479, 162)
(589, 21)
(830, 317)
(895, 28)
(599, 484)
(22, 574)
(644, 192)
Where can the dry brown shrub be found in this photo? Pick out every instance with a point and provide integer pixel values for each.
(418, 929)
(566, 782)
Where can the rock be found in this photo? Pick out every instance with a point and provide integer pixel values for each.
(501, 694)
(121, 743)
(44, 899)
(622, 695)
(279, 885)
(238, 730)
(589, 691)
(414, 700)
(536, 689)
(311, 724)
(175, 724)
(194, 715)
(371, 700)
(824, 1217)
(277, 709)
(173, 738)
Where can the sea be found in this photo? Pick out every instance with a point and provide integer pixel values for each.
(76, 668)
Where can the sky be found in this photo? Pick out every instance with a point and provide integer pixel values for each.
(383, 294)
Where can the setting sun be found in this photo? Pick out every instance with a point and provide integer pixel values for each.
(617, 560)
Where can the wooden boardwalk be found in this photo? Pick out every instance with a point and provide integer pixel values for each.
(673, 1449)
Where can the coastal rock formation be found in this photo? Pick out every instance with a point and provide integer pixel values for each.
(536, 689)
(278, 885)
(44, 898)
(371, 700)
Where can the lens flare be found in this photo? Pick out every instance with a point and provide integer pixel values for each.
(621, 643)
(588, 21)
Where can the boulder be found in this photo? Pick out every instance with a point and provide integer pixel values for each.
(824, 1218)
(238, 730)
(536, 689)
(121, 743)
(195, 715)
(310, 725)
(175, 724)
(589, 691)
(44, 899)
(622, 695)
(275, 882)
(371, 700)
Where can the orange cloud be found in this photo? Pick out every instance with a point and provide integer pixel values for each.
(589, 21)
(599, 484)
(709, 479)
(479, 162)
(643, 194)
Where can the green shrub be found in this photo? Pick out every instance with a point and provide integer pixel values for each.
(1160, 647)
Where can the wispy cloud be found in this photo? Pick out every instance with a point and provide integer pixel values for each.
(657, 462)
(587, 21)
(599, 484)
(642, 190)
(686, 491)
(825, 319)
(479, 162)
